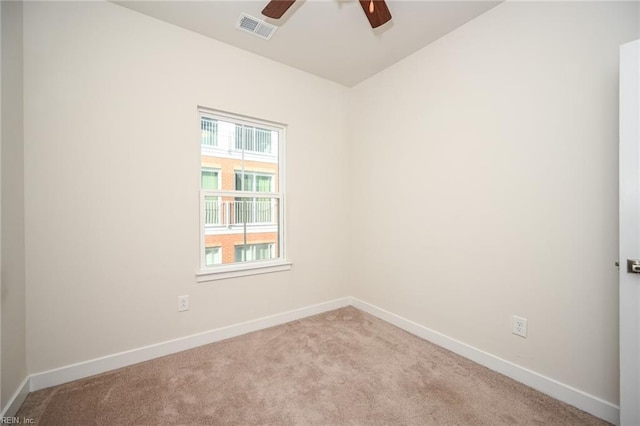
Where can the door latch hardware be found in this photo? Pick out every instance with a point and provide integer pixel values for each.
(633, 266)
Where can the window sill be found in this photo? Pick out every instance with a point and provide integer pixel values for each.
(234, 271)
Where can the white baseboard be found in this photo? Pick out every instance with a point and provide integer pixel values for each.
(16, 400)
(589, 403)
(124, 359)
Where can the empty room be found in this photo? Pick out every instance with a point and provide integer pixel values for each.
(319, 212)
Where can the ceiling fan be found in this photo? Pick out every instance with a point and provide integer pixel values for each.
(376, 10)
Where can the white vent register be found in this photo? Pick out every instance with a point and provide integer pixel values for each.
(255, 26)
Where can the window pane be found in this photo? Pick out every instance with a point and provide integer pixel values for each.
(240, 254)
(248, 252)
(263, 183)
(239, 139)
(208, 132)
(249, 179)
(251, 211)
(212, 256)
(263, 140)
(237, 158)
(245, 226)
(209, 179)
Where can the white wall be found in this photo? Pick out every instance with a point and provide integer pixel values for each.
(12, 263)
(484, 180)
(481, 171)
(112, 175)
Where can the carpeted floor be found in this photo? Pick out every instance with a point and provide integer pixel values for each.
(343, 367)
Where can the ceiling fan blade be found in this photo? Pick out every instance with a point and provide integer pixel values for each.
(276, 8)
(380, 14)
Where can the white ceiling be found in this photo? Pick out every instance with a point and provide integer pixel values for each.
(328, 38)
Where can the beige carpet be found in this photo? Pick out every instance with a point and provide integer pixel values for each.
(343, 367)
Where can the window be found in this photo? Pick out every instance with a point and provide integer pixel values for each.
(210, 180)
(212, 256)
(247, 252)
(241, 196)
(208, 132)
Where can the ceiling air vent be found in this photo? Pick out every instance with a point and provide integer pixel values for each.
(255, 26)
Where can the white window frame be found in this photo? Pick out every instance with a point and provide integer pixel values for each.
(281, 263)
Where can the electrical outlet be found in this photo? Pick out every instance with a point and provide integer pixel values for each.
(519, 326)
(183, 303)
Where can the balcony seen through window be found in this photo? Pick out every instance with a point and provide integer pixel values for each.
(240, 191)
(209, 133)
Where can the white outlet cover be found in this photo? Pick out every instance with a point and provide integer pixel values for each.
(519, 326)
(183, 303)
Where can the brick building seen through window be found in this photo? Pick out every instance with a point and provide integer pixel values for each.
(240, 190)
